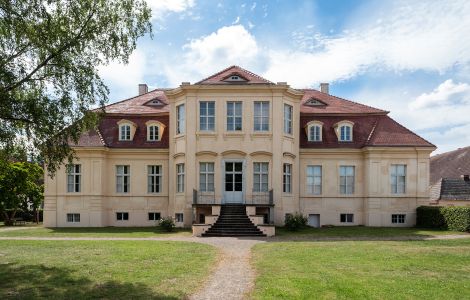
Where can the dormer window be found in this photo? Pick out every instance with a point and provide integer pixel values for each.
(235, 78)
(344, 131)
(314, 131)
(154, 102)
(154, 130)
(126, 130)
(314, 102)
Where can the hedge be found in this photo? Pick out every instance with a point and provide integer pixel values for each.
(446, 217)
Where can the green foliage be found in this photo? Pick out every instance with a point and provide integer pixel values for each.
(50, 51)
(295, 221)
(19, 187)
(448, 217)
(167, 223)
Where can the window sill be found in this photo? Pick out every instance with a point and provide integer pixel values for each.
(206, 133)
(261, 134)
(179, 136)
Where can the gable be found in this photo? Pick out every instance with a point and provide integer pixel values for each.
(224, 77)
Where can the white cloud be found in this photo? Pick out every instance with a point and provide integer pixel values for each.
(451, 139)
(253, 6)
(237, 20)
(161, 7)
(446, 93)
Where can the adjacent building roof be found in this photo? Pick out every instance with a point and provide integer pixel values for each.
(450, 189)
(141, 105)
(451, 164)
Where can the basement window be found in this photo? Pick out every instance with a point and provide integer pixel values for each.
(347, 218)
(179, 217)
(398, 218)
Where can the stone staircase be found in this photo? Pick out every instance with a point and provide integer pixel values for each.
(233, 221)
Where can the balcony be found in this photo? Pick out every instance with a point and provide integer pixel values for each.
(256, 198)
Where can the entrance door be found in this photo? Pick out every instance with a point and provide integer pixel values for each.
(314, 220)
(233, 182)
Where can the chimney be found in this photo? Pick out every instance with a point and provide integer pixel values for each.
(143, 89)
(325, 87)
(466, 177)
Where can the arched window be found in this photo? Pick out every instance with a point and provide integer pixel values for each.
(154, 130)
(126, 130)
(314, 131)
(344, 131)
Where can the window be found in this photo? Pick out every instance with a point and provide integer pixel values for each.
(287, 119)
(206, 177)
(122, 216)
(346, 218)
(260, 176)
(261, 116)
(125, 132)
(287, 178)
(314, 133)
(179, 217)
(154, 175)
(153, 133)
(122, 179)
(346, 179)
(154, 216)
(345, 133)
(398, 219)
(314, 180)
(234, 116)
(180, 119)
(180, 178)
(73, 218)
(74, 178)
(398, 179)
(207, 116)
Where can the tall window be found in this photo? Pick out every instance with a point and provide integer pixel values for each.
(234, 116)
(314, 133)
(180, 117)
(123, 179)
(206, 177)
(314, 180)
(346, 179)
(207, 116)
(125, 132)
(180, 178)
(153, 133)
(74, 178)
(154, 175)
(398, 179)
(261, 116)
(287, 178)
(287, 119)
(260, 176)
(345, 133)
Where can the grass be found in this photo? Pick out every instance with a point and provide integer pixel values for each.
(361, 231)
(133, 232)
(102, 269)
(437, 269)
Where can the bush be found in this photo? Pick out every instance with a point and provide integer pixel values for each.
(167, 223)
(446, 217)
(295, 222)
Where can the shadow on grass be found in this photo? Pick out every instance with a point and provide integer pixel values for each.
(39, 281)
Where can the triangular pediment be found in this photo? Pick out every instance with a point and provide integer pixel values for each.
(234, 75)
(314, 102)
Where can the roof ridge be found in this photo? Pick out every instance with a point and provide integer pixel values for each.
(230, 67)
(100, 135)
(372, 131)
(128, 99)
(215, 74)
(448, 152)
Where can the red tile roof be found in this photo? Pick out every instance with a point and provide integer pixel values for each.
(91, 138)
(450, 164)
(334, 105)
(219, 77)
(136, 105)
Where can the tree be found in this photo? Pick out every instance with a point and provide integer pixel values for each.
(49, 54)
(19, 185)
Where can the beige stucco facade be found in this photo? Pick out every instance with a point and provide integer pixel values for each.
(372, 202)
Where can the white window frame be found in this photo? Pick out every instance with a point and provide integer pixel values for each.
(260, 116)
(153, 133)
(261, 171)
(315, 133)
(154, 214)
(287, 178)
(347, 136)
(123, 179)
(74, 178)
(344, 172)
(73, 218)
(206, 176)
(205, 118)
(288, 117)
(346, 218)
(314, 174)
(232, 119)
(154, 179)
(125, 132)
(180, 178)
(398, 218)
(180, 119)
(123, 213)
(398, 179)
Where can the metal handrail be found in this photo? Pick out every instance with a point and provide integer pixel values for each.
(203, 197)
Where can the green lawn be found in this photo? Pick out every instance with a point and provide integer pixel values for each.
(134, 232)
(438, 269)
(360, 231)
(102, 269)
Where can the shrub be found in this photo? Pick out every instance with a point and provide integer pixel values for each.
(295, 221)
(447, 217)
(167, 223)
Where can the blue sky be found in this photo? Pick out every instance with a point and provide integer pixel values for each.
(409, 57)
